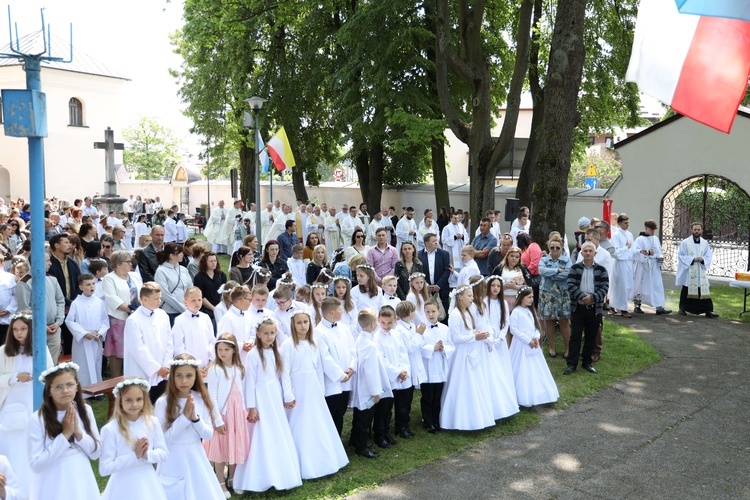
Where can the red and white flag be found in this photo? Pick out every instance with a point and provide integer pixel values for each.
(697, 65)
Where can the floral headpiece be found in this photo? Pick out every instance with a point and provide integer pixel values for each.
(458, 290)
(341, 277)
(128, 382)
(265, 319)
(23, 316)
(522, 289)
(62, 366)
(301, 311)
(317, 284)
(185, 362)
(417, 275)
(494, 276)
(364, 266)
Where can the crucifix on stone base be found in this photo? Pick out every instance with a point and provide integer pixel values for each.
(110, 196)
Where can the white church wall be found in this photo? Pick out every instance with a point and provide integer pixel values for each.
(657, 161)
(72, 166)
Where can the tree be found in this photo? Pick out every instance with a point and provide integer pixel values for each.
(567, 54)
(151, 151)
(608, 168)
(467, 46)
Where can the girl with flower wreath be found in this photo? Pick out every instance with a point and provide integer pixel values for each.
(17, 397)
(187, 416)
(63, 439)
(132, 442)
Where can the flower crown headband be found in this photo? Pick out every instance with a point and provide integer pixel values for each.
(364, 266)
(264, 320)
(301, 311)
(62, 366)
(458, 290)
(342, 278)
(417, 275)
(521, 290)
(318, 285)
(493, 277)
(23, 316)
(185, 362)
(130, 382)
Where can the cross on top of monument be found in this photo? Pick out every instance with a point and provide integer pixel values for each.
(109, 146)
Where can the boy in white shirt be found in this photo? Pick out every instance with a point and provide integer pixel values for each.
(237, 322)
(88, 322)
(411, 337)
(436, 351)
(396, 360)
(285, 306)
(297, 266)
(193, 331)
(336, 345)
(148, 341)
(99, 269)
(370, 387)
(389, 285)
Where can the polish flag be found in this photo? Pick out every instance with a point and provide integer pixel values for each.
(736, 9)
(697, 65)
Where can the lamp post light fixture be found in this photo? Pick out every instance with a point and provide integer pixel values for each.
(256, 104)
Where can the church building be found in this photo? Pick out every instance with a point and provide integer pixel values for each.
(83, 99)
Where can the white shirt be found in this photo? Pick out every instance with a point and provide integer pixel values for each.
(148, 344)
(336, 345)
(194, 333)
(395, 357)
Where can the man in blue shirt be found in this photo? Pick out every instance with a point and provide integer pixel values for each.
(288, 239)
(483, 243)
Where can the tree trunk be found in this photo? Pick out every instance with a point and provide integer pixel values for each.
(298, 181)
(567, 54)
(377, 164)
(439, 175)
(362, 163)
(247, 169)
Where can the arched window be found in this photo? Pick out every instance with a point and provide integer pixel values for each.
(75, 113)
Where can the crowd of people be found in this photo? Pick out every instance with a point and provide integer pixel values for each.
(241, 382)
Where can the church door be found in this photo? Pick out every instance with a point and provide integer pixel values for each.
(722, 207)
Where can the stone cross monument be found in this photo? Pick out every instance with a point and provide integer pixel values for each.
(110, 198)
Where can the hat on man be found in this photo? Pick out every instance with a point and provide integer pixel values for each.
(583, 222)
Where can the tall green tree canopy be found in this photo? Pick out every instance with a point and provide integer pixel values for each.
(151, 151)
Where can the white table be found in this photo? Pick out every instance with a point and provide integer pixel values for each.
(746, 286)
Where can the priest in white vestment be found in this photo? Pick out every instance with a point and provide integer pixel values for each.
(227, 230)
(648, 287)
(267, 218)
(454, 238)
(214, 227)
(621, 278)
(333, 231)
(406, 229)
(280, 222)
(694, 259)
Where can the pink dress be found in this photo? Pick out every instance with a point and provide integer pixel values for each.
(234, 445)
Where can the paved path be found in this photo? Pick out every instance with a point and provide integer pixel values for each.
(679, 429)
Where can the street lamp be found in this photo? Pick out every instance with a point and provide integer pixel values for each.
(256, 104)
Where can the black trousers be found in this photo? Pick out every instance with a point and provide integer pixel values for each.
(361, 422)
(382, 418)
(157, 390)
(430, 402)
(583, 322)
(337, 407)
(3, 333)
(402, 400)
(67, 339)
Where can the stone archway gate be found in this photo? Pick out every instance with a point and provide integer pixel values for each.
(723, 208)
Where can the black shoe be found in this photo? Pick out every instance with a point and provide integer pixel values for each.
(661, 310)
(406, 434)
(638, 310)
(681, 313)
(382, 443)
(432, 429)
(570, 369)
(367, 453)
(589, 368)
(712, 315)
(390, 439)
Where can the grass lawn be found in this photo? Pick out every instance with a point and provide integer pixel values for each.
(727, 302)
(624, 354)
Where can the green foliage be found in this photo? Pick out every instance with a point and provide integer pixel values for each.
(151, 151)
(727, 206)
(608, 167)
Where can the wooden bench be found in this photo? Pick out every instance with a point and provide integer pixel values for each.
(105, 387)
